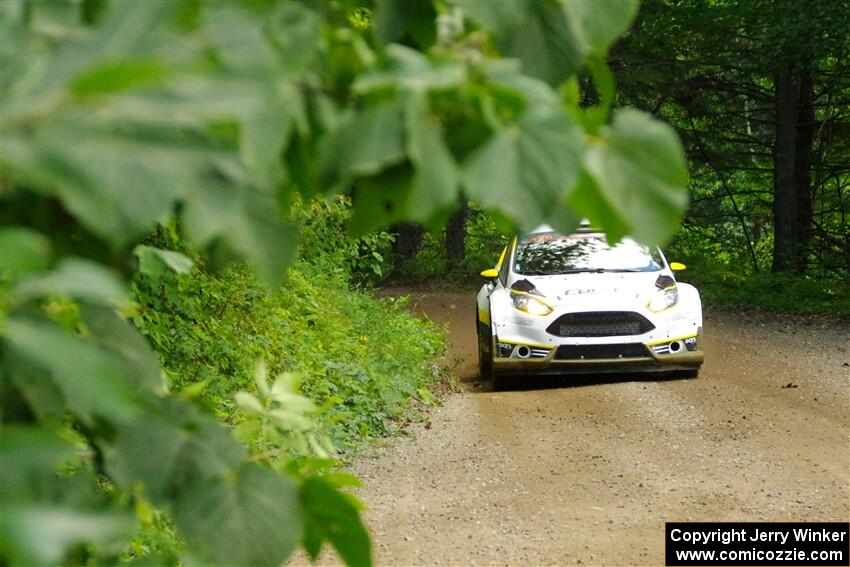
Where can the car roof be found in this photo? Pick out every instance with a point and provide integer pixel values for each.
(584, 229)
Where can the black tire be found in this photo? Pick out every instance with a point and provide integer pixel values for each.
(485, 358)
(502, 382)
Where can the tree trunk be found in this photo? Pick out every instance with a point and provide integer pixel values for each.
(408, 238)
(456, 233)
(803, 168)
(785, 204)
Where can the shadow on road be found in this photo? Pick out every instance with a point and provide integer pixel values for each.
(558, 381)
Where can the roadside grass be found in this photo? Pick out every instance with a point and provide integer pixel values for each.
(363, 359)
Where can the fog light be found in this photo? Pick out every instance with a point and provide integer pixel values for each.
(505, 349)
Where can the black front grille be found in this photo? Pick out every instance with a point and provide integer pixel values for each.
(600, 324)
(579, 352)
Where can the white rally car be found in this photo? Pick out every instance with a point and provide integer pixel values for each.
(572, 303)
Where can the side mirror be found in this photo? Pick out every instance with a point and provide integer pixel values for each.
(677, 266)
(490, 274)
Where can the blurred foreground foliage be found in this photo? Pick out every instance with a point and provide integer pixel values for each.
(212, 119)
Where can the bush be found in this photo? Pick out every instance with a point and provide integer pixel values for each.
(325, 246)
(725, 277)
(782, 293)
(363, 358)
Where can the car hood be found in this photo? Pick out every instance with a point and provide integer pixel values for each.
(594, 290)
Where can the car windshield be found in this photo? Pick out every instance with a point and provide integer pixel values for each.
(550, 253)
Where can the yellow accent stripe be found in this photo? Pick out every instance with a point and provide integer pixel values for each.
(512, 246)
(501, 259)
(484, 316)
(526, 344)
(671, 340)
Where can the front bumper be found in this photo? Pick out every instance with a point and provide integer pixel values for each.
(567, 357)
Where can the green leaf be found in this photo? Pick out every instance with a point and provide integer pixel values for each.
(27, 453)
(394, 21)
(537, 33)
(246, 50)
(248, 403)
(261, 377)
(404, 68)
(38, 392)
(248, 221)
(639, 167)
(331, 515)
(294, 31)
(116, 76)
(499, 16)
(93, 381)
(249, 517)
(527, 169)
(380, 200)
(117, 178)
(41, 534)
(117, 336)
(41, 89)
(172, 448)
(599, 24)
(553, 38)
(75, 278)
(364, 143)
(507, 73)
(153, 262)
(22, 251)
(586, 200)
(436, 180)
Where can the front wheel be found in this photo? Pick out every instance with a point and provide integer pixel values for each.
(485, 356)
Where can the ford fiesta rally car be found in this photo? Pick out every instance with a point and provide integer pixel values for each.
(572, 303)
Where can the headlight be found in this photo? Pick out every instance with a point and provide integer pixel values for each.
(664, 299)
(530, 304)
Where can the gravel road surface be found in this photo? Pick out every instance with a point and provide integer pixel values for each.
(586, 471)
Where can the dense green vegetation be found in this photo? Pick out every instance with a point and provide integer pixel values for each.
(160, 161)
(361, 358)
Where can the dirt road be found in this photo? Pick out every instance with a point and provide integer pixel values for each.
(566, 471)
